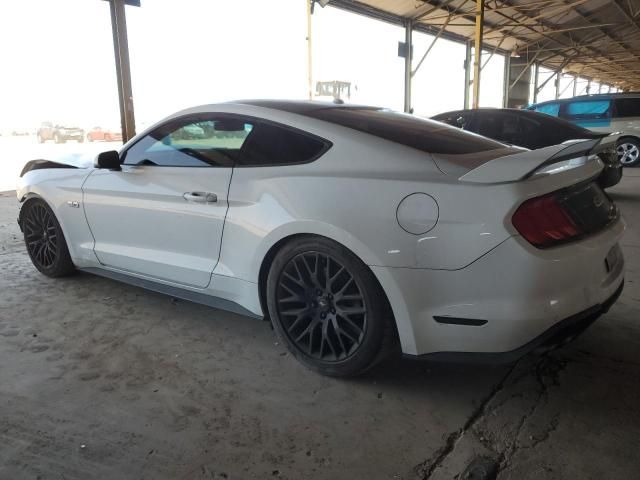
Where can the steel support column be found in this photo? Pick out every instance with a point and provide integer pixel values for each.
(408, 41)
(505, 85)
(309, 52)
(123, 70)
(536, 78)
(467, 73)
(558, 77)
(477, 61)
(575, 85)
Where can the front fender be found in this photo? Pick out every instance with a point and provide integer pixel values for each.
(58, 188)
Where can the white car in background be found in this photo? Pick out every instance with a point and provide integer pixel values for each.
(349, 227)
(607, 113)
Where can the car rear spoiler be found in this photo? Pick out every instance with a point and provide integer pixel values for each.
(520, 166)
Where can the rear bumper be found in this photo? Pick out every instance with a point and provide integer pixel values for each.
(508, 299)
(559, 334)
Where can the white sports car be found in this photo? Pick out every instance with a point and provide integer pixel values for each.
(349, 227)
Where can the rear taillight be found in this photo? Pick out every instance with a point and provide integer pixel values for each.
(543, 222)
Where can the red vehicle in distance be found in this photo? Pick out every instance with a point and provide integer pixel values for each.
(104, 134)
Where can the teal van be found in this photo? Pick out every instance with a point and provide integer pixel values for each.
(614, 112)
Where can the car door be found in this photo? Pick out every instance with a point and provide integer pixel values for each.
(162, 215)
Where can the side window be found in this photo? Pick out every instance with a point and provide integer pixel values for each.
(195, 142)
(549, 109)
(627, 107)
(587, 109)
(271, 145)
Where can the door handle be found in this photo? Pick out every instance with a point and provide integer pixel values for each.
(200, 197)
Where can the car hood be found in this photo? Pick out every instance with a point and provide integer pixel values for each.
(74, 160)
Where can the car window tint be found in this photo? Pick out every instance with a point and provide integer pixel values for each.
(419, 133)
(549, 109)
(627, 107)
(199, 143)
(271, 145)
(490, 125)
(588, 109)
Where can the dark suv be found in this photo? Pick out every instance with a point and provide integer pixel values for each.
(59, 133)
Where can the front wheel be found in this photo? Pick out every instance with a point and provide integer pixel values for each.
(328, 308)
(628, 152)
(44, 240)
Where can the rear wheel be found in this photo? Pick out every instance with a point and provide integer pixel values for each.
(44, 240)
(328, 308)
(629, 151)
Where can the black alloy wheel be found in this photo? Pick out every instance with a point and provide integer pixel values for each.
(328, 308)
(321, 306)
(44, 239)
(41, 236)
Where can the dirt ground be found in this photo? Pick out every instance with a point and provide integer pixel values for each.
(107, 381)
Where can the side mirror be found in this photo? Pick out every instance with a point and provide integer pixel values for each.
(109, 160)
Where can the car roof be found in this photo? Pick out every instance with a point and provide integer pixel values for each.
(301, 106)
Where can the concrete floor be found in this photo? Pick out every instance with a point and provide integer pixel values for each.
(103, 380)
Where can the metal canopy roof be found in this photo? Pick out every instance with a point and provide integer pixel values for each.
(596, 39)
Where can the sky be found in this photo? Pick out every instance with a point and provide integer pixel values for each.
(59, 65)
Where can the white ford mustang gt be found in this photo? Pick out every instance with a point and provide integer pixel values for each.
(349, 227)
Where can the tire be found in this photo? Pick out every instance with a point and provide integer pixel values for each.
(629, 151)
(339, 327)
(45, 240)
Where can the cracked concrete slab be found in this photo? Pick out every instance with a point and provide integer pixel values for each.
(103, 380)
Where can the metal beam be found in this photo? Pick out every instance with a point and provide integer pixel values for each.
(505, 81)
(535, 83)
(477, 60)
(309, 50)
(123, 70)
(433, 42)
(467, 73)
(408, 41)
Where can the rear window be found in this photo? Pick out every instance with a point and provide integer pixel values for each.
(426, 135)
